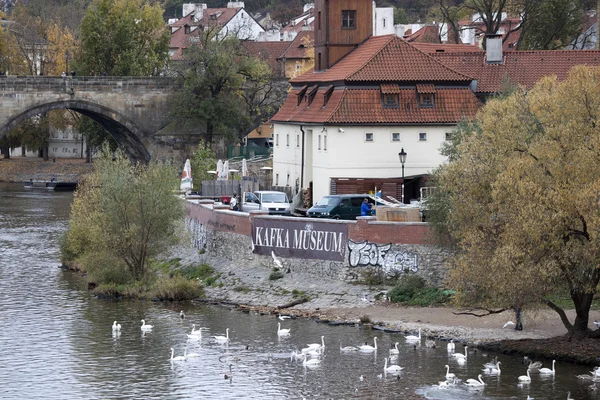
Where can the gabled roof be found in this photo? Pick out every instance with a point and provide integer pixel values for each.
(427, 34)
(520, 67)
(267, 51)
(447, 48)
(385, 58)
(297, 49)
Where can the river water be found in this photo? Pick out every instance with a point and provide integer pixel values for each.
(56, 340)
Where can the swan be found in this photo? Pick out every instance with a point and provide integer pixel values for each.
(145, 327)
(475, 382)
(367, 347)
(569, 396)
(534, 366)
(190, 355)
(493, 370)
(525, 378)
(347, 348)
(223, 339)
(507, 324)
(491, 364)
(395, 350)
(413, 337)
(317, 345)
(282, 332)
(178, 358)
(295, 355)
(461, 356)
(116, 327)
(548, 371)
(449, 375)
(181, 314)
(451, 345)
(283, 317)
(311, 361)
(392, 369)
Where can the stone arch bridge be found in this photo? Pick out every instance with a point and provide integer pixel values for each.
(133, 109)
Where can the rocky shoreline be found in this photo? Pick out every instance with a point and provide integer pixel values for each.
(20, 169)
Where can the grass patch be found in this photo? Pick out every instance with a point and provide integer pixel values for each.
(276, 274)
(177, 288)
(411, 290)
(198, 272)
(127, 291)
(243, 289)
(299, 293)
(564, 301)
(211, 280)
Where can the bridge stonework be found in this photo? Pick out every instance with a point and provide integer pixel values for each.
(133, 109)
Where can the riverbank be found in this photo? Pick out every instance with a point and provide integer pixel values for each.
(20, 169)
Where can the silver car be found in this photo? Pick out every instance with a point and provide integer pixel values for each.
(276, 203)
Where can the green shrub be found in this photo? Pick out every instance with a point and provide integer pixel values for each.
(131, 291)
(406, 288)
(177, 288)
(243, 289)
(275, 275)
(199, 272)
(210, 281)
(104, 268)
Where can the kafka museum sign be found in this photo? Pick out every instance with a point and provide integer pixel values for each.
(298, 239)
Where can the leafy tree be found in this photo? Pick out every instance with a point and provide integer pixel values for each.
(552, 24)
(204, 160)
(124, 210)
(123, 38)
(286, 11)
(400, 16)
(213, 76)
(521, 199)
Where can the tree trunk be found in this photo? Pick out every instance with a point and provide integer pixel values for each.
(6, 151)
(209, 135)
(583, 303)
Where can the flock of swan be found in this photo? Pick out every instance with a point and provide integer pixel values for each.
(312, 355)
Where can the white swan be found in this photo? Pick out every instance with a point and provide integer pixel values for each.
(181, 314)
(283, 317)
(195, 335)
(145, 327)
(569, 396)
(317, 345)
(190, 355)
(451, 345)
(282, 332)
(461, 356)
(507, 324)
(392, 369)
(491, 364)
(311, 361)
(395, 350)
(548, 371)
(223, 339)
(178, 358)
(449, 375)
(347, 348)
(116, 327)
(525, 378)
(367, 347)
(475, 382)
(413, 337)
(493, 370)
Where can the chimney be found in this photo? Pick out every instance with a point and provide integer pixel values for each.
(307, 7)
(235, 4)
(194, 8)
(493, 49)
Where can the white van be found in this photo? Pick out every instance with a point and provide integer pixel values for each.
(276, 203)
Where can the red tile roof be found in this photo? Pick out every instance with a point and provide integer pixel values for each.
(447, 48)
(389, 88)
(521, 67)
(364, 106)
(385, 58)
(267, 51)
(427, 34)
(297, 48)
(425, 88)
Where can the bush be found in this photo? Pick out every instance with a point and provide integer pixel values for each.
(210, 281)
(411, 290)
(198, 272)
(177, 288)
(133, 291)
(276, 274)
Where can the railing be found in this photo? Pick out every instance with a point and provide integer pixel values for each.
(247, 151)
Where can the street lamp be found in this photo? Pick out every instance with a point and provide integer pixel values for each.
(402, 156)
(67, 62)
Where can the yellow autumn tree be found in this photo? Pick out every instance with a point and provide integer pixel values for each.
(59, 42)
(521, 199)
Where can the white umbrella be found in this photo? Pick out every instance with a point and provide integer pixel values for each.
(226, 170)
(220, 170)
(186, 177)
(244, 167)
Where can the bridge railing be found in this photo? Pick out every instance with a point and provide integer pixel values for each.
(13, 83)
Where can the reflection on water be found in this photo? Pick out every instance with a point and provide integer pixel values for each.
(57, 341)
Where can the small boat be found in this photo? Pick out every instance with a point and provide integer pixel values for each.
(61, 185)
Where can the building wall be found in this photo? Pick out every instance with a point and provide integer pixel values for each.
(347, 154)
(383, 21)
(243, 26)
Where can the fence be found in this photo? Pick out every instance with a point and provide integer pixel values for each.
(228, 188)
(247, 151)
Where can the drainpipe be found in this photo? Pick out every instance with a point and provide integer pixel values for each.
(302, 161)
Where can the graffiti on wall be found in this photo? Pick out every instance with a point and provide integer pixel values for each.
(198, 231)
(365, 254)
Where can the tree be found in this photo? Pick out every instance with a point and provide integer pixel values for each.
(204, 160)
(521, 199)
(124, 210)
(213, 76)
(552, 24)
(400, 16)
(123, 38)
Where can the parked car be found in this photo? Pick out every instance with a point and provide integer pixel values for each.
(340, 206)
(277, 203)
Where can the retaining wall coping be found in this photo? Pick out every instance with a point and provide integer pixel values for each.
(229, 211)
(375, 222)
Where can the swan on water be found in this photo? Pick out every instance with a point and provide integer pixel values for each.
(317, 345)
(413, 337)
(395, 350)
(145, 327)
(392, 369)
(449, 375)
(311, 361)
(283, 317)
(190, 355)
(475, 382)
(223, 339)
(451, 345)
(178, 358)
(282, 332)
(430, 344)
(533, 365)
(347, 348)
(461, 356)
(195, 335)
(367, 347)
(569, 396)
(548, 371)
(181, 314)
(491, 364)
(116, 327)
(493, 370)
(525, 378)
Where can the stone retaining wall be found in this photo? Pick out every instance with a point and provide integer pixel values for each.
(392, 248)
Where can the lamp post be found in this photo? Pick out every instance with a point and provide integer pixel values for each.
(67, 62)
(402, 156)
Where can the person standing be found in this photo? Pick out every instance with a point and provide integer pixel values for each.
(233, 203)
(365, 208)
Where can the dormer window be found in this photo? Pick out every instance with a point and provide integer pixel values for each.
(187, 29)
(348, 19)
(389, 95)
(426, 95)
(390, 100)
(310, 94)
(301, 94)
(327, 95)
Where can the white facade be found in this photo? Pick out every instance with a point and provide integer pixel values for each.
(348, 152)
(243, 26)
(63, 143)
(383, 21)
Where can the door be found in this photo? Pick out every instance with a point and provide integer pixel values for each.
(345, 209)
(250, 202)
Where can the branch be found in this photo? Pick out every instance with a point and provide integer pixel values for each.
(561, 314)
(488, 312)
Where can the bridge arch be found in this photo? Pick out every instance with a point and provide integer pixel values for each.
(123, 129)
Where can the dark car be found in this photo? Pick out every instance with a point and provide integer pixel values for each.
(338, 206)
